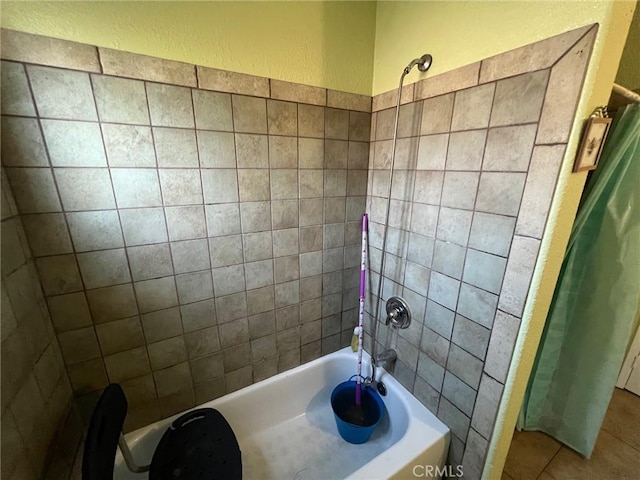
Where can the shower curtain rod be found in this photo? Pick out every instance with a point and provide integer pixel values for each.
(626, 93)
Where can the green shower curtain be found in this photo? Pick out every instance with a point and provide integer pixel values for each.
(593, 311)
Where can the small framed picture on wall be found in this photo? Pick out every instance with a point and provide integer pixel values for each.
(595, 134)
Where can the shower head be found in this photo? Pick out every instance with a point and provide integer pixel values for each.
(423, 63)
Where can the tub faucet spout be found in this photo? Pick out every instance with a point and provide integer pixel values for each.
(386, 358)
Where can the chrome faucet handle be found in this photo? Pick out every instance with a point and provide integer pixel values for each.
(398, 313)
(391, 316)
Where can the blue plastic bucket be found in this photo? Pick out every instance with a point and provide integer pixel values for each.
(359, 427)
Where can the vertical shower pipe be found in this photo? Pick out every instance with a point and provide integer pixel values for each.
(423, 64)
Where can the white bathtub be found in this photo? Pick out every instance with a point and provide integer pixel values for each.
(286, 430)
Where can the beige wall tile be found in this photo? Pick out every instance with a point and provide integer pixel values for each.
(88, 376)
(135, 187)
(216, 149)
(209, 390)
(85, 188)
(120, 100)
(258, 274)
(176, 148)
(472, 107)
(177, 402)
(184, 223)
(508, 107)
(79, 345)
(390, 98)
(503, 339)
(212, 110)
(142, 226)
(563, 92)
(59, 274)
(436, 115)
(156, 294)
(531, 57)
(207, 368)
(227, 251)
(74, 144)
(112, 303)
(500, 192)
(234, 333)
(190, 255)
(22, 143)
(128, 145)
(231, 307)
(295, 92)
(223, 219)
(492, 233)
(348, 101)
(201, 342)
(221, 185)
(125, 64)
(310, 121)
(162, 324)
(463, 77)
(62, 93)
(104, 268)
(34, 190)
(25, 47)
(69, 312)
(238, 379)
(232, 82)
(522, 260)
(196, 316)
(474, 455)
(120, 335)
(16, 95)
(150, 261)
(139, 390)
(170, 106)
(484, 270)
(509, 148)
(282, 118)
(283, 152)
(538, 190)
(252, 151)
(47, 234)
(167, 353)
(97, 230)
(127, 365)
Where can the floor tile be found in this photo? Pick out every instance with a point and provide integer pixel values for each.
(612, 458)
(545, 476)
(529, 454)
(623, 417)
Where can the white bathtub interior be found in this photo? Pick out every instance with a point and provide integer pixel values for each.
(286, 429)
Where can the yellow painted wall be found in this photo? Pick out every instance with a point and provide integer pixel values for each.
(458, 33)
(629, 71)
(326, 44)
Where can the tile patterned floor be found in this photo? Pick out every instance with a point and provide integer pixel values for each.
(535, 456)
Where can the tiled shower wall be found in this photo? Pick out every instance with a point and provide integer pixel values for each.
(478, 154)
(189, 242)
(36, 394)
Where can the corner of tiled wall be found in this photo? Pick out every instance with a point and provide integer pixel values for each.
(478, 155)
(36, 393)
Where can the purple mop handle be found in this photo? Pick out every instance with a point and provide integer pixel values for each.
(363, 265)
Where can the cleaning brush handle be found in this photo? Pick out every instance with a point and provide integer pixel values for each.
(363, 267)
